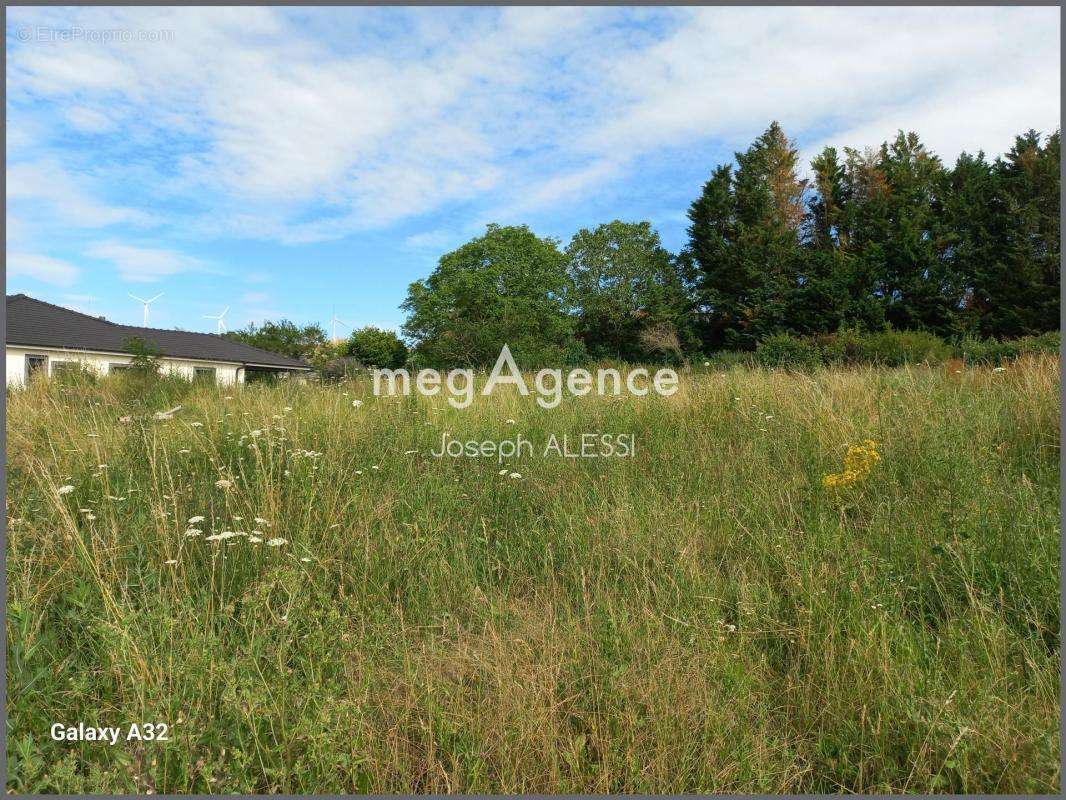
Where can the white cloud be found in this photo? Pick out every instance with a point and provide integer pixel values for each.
(258, 124)
(41, 268)
(964, 78)
(144, 264)
(89, 120)
(436, 240)
(48, 188)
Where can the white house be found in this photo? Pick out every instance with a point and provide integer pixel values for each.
(48, 338)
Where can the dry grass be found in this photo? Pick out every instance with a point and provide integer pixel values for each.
(705, 616)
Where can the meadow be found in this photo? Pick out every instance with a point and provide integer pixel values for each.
(311, 602)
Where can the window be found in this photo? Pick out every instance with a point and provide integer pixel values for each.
(35, 364)
(64, 368)
(204, 375)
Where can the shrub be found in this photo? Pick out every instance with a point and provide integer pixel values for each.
(896, 348)
(74, 374)
(790, 352)
(377, 348)
(661, 340)
(726, 360)
(842, 347)
(140, 390)
(342, 368)
(146, 357)
(992, 351)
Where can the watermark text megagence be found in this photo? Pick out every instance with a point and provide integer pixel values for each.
(548, 383)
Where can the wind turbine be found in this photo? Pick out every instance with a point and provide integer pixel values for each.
(221, 325)
(334, 322)
(146, 304)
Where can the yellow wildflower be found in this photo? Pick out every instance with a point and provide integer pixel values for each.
(858, 462)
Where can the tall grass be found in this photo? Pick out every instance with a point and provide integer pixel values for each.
(703, 616)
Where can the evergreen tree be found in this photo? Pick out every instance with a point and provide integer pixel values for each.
(886, 237)
(1025, 299)
(711, 234)
(1004, 223)
(825, 211)
(744, 243)
(897, 231)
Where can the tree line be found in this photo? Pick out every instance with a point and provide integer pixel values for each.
(875, 240)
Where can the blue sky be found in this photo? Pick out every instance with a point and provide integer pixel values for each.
(293, 162)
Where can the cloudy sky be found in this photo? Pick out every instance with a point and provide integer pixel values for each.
(293, 162)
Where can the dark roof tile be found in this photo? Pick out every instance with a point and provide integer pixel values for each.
(39, 324)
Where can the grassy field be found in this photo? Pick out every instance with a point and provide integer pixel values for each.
(704, 616)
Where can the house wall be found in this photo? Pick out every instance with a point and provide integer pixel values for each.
(225, 373)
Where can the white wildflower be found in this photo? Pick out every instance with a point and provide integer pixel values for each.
(220, 536)
(305, 559)
(171, 561)
(196, 424)
(194, 520)
(287, 409)
(277, 541)
(356, 403)
(516, 475)
(1000, 369)
(503, 472)
(510, 422)
(261, 521)
(255, 539)
(224, 484)
(193, 532)
(65, 489)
